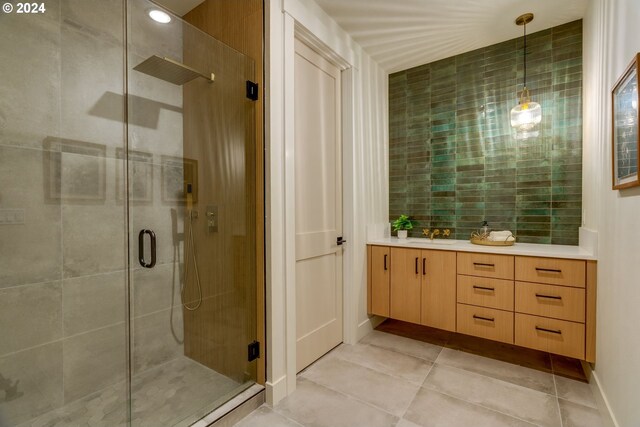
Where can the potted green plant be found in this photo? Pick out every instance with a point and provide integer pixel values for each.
(402, 225)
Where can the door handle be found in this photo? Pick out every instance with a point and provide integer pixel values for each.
(385, 262)
(424, 266)
(417, 266)
(340, 241)
(141, 258)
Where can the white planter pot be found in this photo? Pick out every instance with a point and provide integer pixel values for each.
(402, 234)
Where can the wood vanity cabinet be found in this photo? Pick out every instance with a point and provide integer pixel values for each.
(379, 276)
(550, 306)
(486, 265)
(553, 271)
(438, 303)
(414, 285)
(543, 303)
(405, 285)
(485, 296)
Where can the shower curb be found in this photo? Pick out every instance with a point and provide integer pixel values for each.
(235, 409)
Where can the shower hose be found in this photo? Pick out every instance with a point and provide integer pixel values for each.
(191, 248)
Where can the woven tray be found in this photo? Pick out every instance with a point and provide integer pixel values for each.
(491, 243)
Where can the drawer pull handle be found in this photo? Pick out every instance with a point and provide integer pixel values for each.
(549, 270)
(548, 296)
(488, 319)
(385, 262)
(484, 288)
(483, 264)
(552, 331)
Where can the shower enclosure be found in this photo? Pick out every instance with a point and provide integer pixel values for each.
(127, 218)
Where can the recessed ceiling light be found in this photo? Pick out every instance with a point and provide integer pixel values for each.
(160, 16)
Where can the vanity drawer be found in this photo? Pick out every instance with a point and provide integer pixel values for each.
(565, 272)
(485, 265)
(485, 292)
(559, 302)
(551, 335)
(484, 322)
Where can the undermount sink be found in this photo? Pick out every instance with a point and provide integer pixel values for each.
(439, 242)
(427, 241)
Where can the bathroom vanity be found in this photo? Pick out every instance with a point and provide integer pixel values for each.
(536, 296)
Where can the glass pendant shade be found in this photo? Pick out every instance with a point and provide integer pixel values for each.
(525, 119)
(527, 115)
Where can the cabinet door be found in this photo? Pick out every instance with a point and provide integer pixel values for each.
(405, 284)
(438, 269)
(380, 275)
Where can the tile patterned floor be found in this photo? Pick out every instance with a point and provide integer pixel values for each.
(390, 380)
(162, 396)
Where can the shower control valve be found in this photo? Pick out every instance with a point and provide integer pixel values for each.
(212, 219)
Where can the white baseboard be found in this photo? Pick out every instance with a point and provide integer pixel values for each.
(367, 326)
(603, 402)
(276, 390)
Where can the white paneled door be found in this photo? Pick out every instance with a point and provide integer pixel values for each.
(318, 225)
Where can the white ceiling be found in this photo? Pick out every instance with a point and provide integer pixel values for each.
(179, 7)
(401, 34)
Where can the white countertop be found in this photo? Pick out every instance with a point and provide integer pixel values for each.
(525, 249)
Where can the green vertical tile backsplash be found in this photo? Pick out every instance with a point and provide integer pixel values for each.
(453, 160)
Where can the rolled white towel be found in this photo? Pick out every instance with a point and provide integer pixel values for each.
(501, 236)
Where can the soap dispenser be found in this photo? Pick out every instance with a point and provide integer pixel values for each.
(485, 230)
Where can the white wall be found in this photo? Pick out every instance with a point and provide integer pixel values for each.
(365, 175)
(372, 163)
(610, 42)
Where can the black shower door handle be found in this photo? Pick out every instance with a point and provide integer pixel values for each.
(141, 258)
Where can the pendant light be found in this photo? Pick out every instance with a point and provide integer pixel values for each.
(527, 115)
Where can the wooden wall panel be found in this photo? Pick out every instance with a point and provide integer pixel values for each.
(238, 24)
(592, 292)
(369, 267)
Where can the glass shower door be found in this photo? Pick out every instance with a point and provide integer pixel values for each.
(191, 217)
(63, 256)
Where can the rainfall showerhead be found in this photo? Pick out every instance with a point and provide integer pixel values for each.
(170, 71)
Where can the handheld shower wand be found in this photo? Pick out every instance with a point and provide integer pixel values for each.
(190, 248)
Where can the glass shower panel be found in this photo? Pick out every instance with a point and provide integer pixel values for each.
(63, 333)
(192, 220)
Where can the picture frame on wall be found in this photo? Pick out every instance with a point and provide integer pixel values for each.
(74, 171)
(626, 128)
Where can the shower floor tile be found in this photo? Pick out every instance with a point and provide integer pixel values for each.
(162, 396)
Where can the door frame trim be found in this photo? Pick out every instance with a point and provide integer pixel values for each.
(292, 30)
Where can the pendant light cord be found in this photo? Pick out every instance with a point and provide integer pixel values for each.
(525, 55)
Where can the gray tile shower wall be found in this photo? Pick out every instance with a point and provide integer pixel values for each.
(62, 265)
(453, 160)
